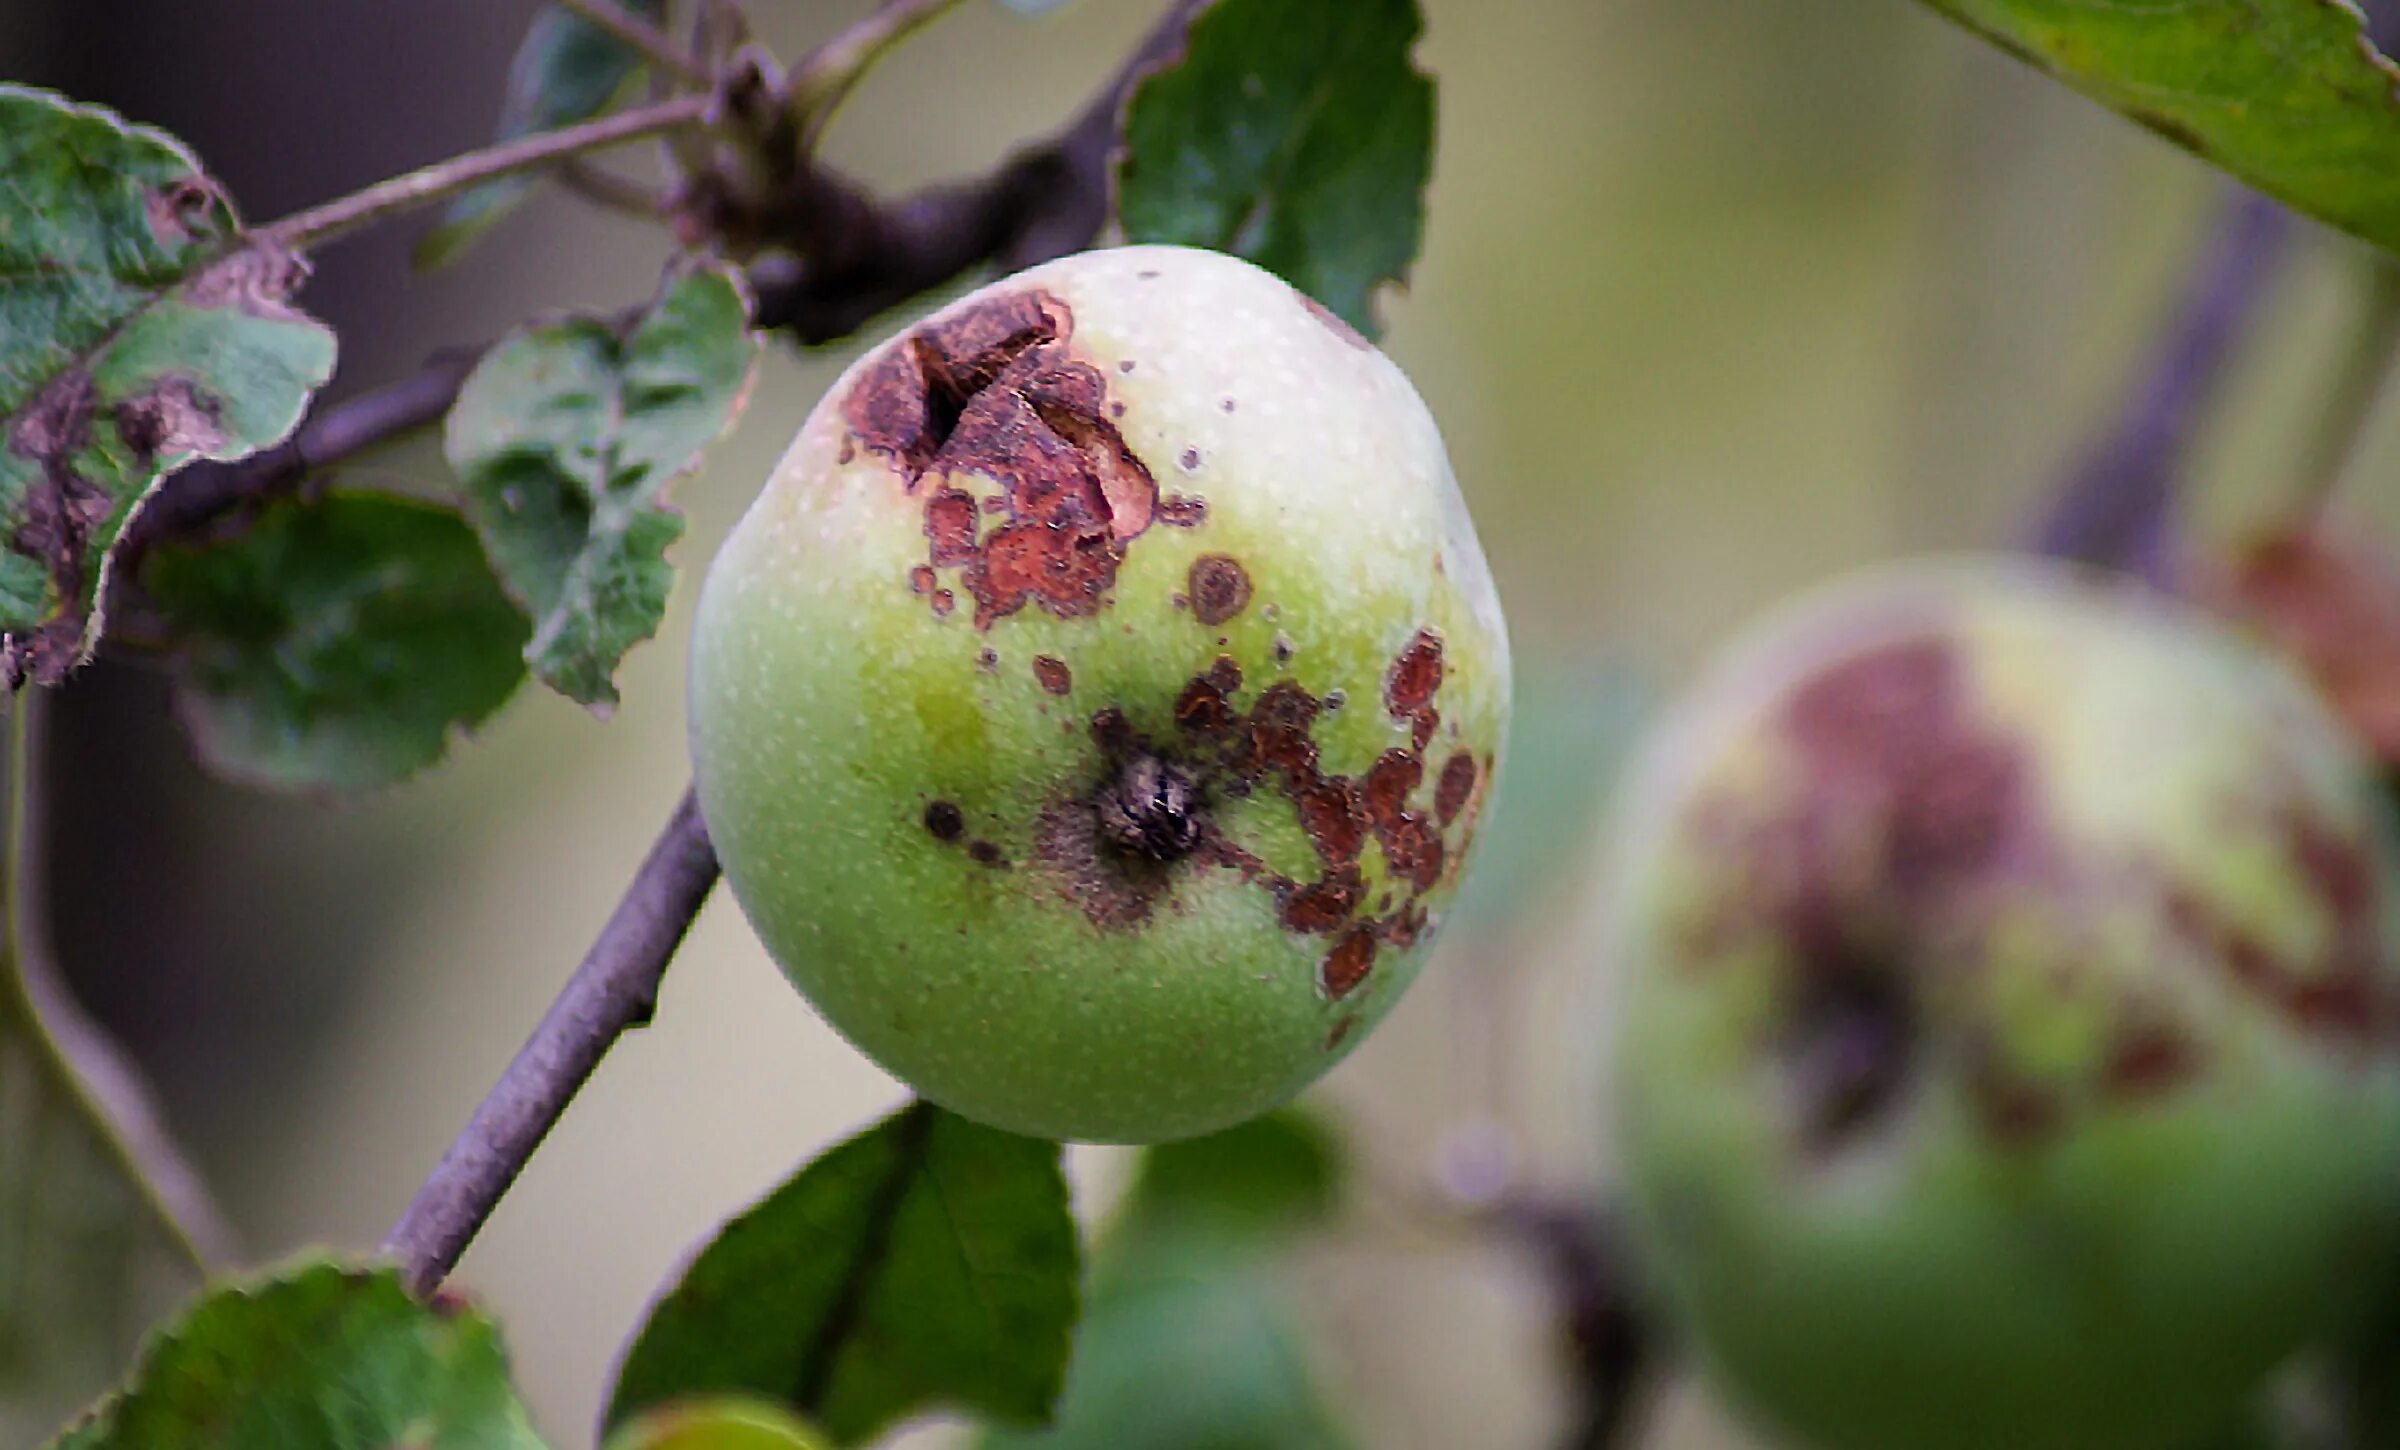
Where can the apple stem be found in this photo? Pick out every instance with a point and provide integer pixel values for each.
(2114, 507)
(613, 991)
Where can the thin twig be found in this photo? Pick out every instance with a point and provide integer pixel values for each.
(822, 79)
(1584, 1263)
(2366, 367)
(615, 989)
(2113, 509)
(854, 258)
(101, 1083)
(662, 52)
(321, 224)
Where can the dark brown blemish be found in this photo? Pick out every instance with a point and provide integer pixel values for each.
(1152, 810)
(1334, 819)
(178, 211)
(57, 517)
(2146, 1058)
(1190, 459)
(1850, 1045)
(1283, 648)
(945, 821)
(920, 580)
(1053, 674)
(1182, 511)
(1341, 1031)
(984, 853)
(1416, 676)
(1457, 783)
(1324, 905)
(992, 390)
(988, 661)
(1125, 366)
(943, 602)
(1347, 965)
(1219, 588)
(1148, 274)
(1227, 405)
(171, 418)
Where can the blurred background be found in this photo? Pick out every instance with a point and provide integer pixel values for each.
(1719, 298)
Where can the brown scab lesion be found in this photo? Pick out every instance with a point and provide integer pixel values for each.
(992, 390)
(1052, 674)
(1218, 587)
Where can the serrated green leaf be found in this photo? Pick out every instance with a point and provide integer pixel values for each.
(339, 643)
(928, 1262)
(566, 70)
(138, 331)
(716, 1424)
(2289, 95)
(565, 438)
(1296, 133)
(323, 1355)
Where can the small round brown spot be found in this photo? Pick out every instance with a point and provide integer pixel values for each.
(1347, 964)
(943, 602)
(1148, 274)
(1220, 588)
(1283, 648)
(1053, 673)
(1126, 366)
(1227, 405)
(1190, 459)
(920, 580)
(988, 661)
(986, 854)
(944, 821)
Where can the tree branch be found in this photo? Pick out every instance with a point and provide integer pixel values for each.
(640, 34)
(615, 989)
(2113, 509)
(853, 258)
(321, 224)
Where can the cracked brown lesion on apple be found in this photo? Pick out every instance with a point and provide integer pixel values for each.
(1228, 741)
(993, 390)
(1912, 823)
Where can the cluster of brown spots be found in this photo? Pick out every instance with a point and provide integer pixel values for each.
(1218, 588)
(2339, 995)
(1053, 674)
(946, 823)
(1182, 511)
(992, 391)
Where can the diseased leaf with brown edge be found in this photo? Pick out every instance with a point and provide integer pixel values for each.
(139, 330)
(338, 643)
(1296, 133)
(928, 1262)
(565, 438)
(566, 70)
(322, 1354)
(2288, 95)
(2333, 607)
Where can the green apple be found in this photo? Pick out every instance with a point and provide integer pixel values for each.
(2004, 1040)
(1094, 710)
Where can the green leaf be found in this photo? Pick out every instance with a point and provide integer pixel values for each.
(1268, 1176)
(139, 330)
(2289, 95)
(730, 1423)
(927, 1262)
(566, 70)
(322, 1355)
(338, 643)
(565, 438)
(1295, 133)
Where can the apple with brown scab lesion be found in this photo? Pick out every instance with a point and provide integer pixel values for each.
(2008, 1004)
(1094, 712)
